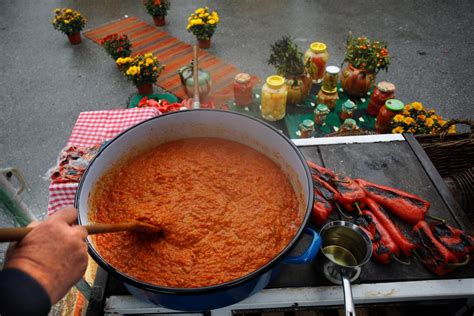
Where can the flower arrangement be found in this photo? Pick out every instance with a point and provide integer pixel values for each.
(116, 45)
(371, 56)
(157, 7)
(202, 23)
(416, 119)
(68, 21)
(140, 69)
(287, 59)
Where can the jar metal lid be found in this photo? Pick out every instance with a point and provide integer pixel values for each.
(318, 47)
(307, 125)
(275, 82)
(350, 122)
(242, 77)
(349, 105)
(333, 70)
(322, 108)
(385, 86)
(394, 105)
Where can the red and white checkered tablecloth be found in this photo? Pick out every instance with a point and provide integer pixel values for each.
(93, 128)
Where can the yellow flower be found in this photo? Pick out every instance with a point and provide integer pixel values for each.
(133, 70)
(411, 130)
(398, 130)
(198, 22)
(442, 122)
(119, 61)
(408, 107)
(417, 106)
(211, 21)
(66, 21)
(148, 55)
(431, 112)
(421, 117)
(149, 61)
(398, 118)
(452, 129)
(57, 11)
(68, 11)
(199, 11)
(408, 121)
(429, 122)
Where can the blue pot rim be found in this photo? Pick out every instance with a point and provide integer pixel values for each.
(213, 288)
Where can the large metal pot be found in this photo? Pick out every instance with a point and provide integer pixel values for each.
(206, 123)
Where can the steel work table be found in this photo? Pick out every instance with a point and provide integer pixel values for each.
(394, 160)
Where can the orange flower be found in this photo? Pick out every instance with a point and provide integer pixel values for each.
(384, 52)
(421, 117)
(157, 2)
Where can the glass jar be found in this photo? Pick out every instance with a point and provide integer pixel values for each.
(382, 92)
(349, 125)
(329, 99)
(298, 88)
(320, 114)
(330, 79)
(274, 93)
(384, 119)
(306, 129)
(318, 55)
(347, 111)
(243, 90)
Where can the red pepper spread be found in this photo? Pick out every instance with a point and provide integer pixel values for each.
(225, 210)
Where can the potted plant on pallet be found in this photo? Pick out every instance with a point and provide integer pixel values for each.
(364, 59)
(158, 9)
(142, 70)
(117, 46)
(289, 63)
(69, 22)
(202, 23)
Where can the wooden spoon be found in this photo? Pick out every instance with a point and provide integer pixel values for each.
(17, 233)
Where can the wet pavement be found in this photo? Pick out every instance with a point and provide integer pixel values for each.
(45, 82)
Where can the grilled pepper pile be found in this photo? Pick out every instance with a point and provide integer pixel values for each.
(440, 247)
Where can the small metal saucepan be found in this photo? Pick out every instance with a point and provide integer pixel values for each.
(346, 249)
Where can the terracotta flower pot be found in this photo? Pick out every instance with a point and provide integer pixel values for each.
(356, 82)
(159, 20)
(204, 43)
(75, 38)
(298, 88)
(145, 89)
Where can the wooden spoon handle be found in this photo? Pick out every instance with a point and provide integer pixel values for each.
(18, 233)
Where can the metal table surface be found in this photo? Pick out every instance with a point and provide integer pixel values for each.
(394, 160)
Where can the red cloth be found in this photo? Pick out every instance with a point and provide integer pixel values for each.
(93, 128)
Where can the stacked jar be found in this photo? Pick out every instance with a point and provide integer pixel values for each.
(243, 93)
(274, 93)
(382, 92)
(320, 114)
(347, 111)
(318, 55)
(328, 93)
(384, 119)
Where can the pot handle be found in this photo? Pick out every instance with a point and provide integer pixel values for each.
(310, 253)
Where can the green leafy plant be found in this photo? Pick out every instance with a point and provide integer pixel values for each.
(371, 56)
(117, 46)
(287, 59)
(157, 7)
(68, 21)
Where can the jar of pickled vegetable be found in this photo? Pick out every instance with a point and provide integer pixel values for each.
(330, 79)
(243, 90)
(382, 92)
(349, 125)
(348, 109)
(274, 93)
(320, 114)
(329, 99)
(306, 129)
(384, 119)
(318, 55)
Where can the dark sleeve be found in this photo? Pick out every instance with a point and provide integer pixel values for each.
(20, 294)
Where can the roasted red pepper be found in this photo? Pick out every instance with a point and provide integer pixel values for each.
(456, 240)
(321, 209)
(433, 254)
(350, 192)
(323, 173)
(324, 189)
(409, 207)
(383, 246)
(403, 242)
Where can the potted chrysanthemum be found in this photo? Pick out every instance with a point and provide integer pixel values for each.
(117, 45)
(158, 9)
(203, 23)
(69, 22)
(142, 70)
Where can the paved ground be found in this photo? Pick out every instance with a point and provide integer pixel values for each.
(45, 82)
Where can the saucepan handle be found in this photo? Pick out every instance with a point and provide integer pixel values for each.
(309, 253)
